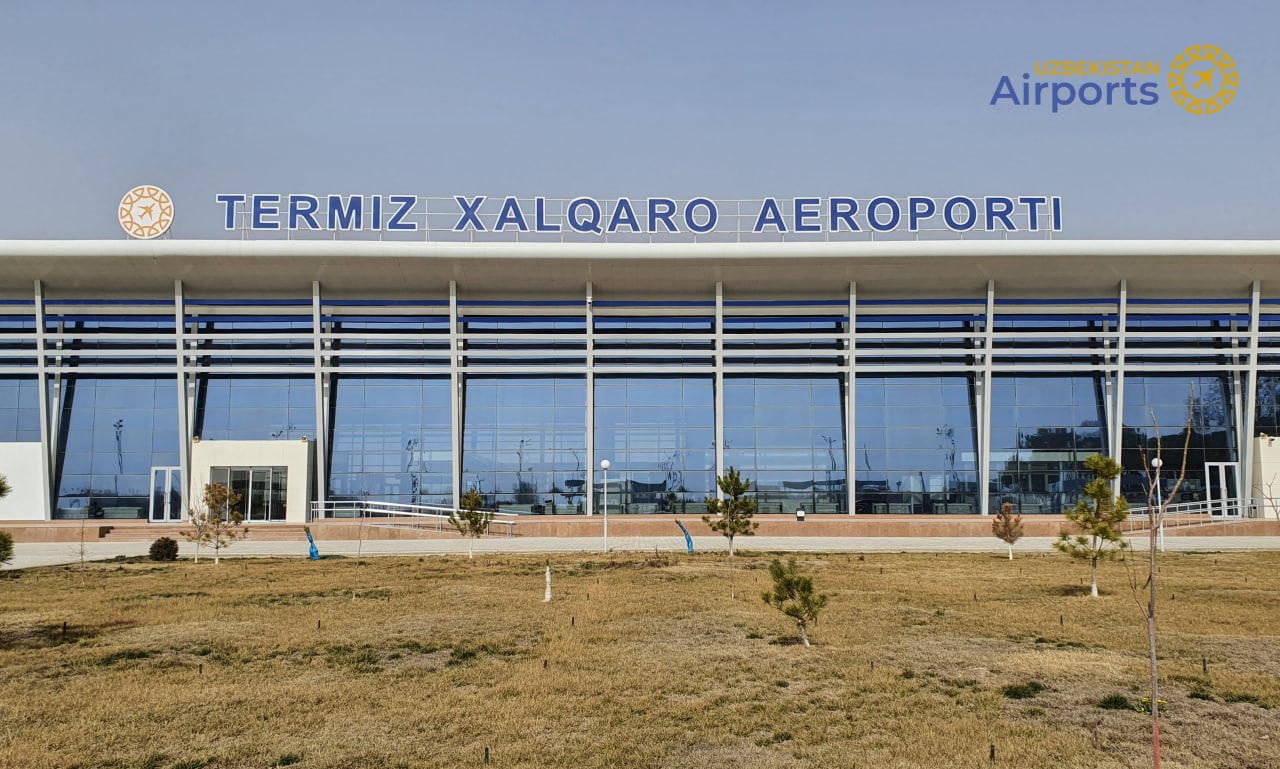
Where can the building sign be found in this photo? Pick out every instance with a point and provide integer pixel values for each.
(481, 215)
(1201, 79)
(146, 211)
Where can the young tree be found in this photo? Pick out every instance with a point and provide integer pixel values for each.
(1157, 509)
(1007, 527)
(5, 488)
(1099, 515)
(735, 512)
(793, 596)
(218, 522)
(471, 521)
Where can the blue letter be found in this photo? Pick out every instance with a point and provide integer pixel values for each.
(307, 213)
(470, 214)
(1004, 90)
(874, 220)
(591, 223)
(661, 210)
(1061, 101)
(1057, 214)
(769, 215)
(842, 210)
(1033, 211)
(229, 202)
(802, 210)
(540, 217)
(712, 215)
(623, 214)
(510, 214)
(1149, 94)
(999, 208)
(261, 209)
(949, 213)
(375, 216)
(919, 208)
(349, 218)
(397, 219)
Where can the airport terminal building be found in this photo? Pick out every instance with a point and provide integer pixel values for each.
(843, 375)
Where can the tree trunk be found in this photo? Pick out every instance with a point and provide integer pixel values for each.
(1010, 551)
(1093, 591)
(803, 635)
(1151, 649)
(730, 547)
(471, 548)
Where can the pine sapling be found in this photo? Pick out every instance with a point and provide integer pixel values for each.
(1007, 527)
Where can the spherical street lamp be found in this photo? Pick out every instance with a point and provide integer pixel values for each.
(1156, 464)
(604, 465)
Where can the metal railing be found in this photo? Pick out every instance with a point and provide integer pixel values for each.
(396, 515)
(1185, 514)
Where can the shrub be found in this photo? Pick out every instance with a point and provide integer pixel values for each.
(164, 549)
(1023, 691)
(6, 545)
(1115, 702)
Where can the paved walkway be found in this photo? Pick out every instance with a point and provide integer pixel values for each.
(29, 554)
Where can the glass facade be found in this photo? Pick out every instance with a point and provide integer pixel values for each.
(111, 432)
(915, 450)
(959, 404)
(391, 440)
(525, 442)
(658, 433)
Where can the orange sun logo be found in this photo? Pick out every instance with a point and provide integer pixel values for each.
(146, 212)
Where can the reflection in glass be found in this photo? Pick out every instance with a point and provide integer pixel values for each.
(525, 442)
(658, 434)
(1043, 428)
(787, 434)
(916, 439)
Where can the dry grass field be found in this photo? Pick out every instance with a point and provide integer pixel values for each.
(640, 661)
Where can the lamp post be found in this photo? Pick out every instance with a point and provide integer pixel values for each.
(1156, 463)
(604, 465)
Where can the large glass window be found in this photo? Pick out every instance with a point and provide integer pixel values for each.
(1042, 429)
(525, 442)
(19, 410)
(787, 434)
(255, 408)
(915, 452)
(1160, 407)
(658, 434)
(111, 432)
(391, 439)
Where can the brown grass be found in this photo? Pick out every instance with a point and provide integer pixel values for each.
(638, 662)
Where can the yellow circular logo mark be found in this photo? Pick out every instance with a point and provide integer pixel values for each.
(146, 212)
(1203, 79)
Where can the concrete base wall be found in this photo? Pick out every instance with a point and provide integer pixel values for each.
(22, 464)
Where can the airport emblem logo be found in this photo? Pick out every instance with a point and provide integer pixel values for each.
(146, 212)
(1203, 79)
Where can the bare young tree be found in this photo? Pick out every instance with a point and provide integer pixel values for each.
(1007, 527)
(1144, 592)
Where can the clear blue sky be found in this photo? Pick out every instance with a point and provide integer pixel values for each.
(724, 99)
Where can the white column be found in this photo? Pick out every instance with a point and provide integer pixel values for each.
(322, 400)
(718, 395)
(47, 434)
(1245, 437)
(185, 414)
(1117, 423)
(851, 403)
(589, 498)
(983, 417)
(455, 403)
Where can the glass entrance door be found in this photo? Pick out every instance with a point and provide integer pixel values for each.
(1221, 482)
(166, 494)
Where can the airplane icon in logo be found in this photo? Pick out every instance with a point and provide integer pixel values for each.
(148, 211)
(1204, 79)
